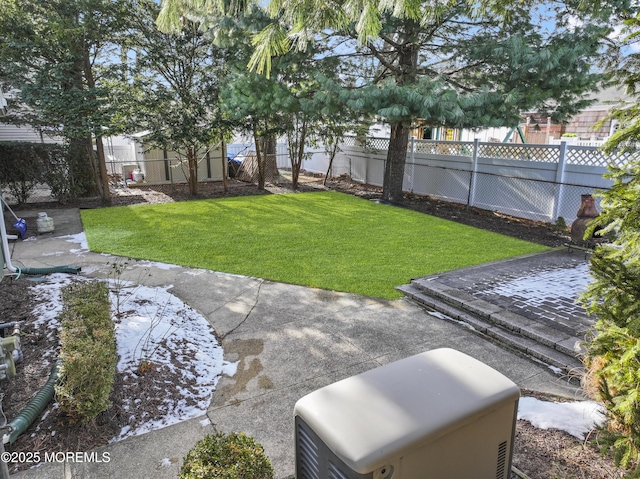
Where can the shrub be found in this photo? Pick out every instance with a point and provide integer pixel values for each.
(21, 168)
(65, 169)
(88, 351)
(613, 355)
(221, 456)
(561, 224)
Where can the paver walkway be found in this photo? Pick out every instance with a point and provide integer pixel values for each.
(544, 287)
(530, 303)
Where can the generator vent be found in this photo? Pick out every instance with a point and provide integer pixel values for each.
(502, 461)
(335, 472)
(307, 454)
(314, 460)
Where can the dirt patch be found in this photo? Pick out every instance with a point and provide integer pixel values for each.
(540, 454)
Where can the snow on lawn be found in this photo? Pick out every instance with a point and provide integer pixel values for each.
(154, 325)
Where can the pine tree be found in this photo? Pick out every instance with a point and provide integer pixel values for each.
(450, 63)
(613, 297)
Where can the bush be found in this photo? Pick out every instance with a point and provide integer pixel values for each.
(613, 297)
(88, 351)
(21, 167)
(65, 169)
(233, 456)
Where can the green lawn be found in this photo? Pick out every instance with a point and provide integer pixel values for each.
(326, 239)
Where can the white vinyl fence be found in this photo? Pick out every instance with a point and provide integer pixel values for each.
(539, 182)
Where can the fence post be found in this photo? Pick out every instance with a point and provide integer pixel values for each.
(474, 169)
(559, 182)
(413, 163)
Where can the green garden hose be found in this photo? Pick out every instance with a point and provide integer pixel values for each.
(53, 269)
(25, 418)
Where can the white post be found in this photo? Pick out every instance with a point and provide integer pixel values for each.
(474, 170)
(559, 180)
(413, 164)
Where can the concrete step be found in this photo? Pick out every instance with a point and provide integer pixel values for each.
(557, 349)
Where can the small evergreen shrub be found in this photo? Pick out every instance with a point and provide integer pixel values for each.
(613, 353)
(561, 224)
(222, 456)
(88, 351)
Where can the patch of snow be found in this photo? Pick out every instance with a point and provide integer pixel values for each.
(535, 289)
(155, 264)
(91, 269)
(439, 315)
(555, 369)
(153, 325)
(230, 369)
(576, 418)
(80, 239)
(196, 272)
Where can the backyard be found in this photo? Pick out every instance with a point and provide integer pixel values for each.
(540, 453)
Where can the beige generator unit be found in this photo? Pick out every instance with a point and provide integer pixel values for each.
(436, 415)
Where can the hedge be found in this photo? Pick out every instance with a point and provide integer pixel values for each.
(88, 351)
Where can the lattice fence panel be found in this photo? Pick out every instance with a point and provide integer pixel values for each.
(349, 141)
(376, 145)
(592, 156)
(519, 152)
(450, 148)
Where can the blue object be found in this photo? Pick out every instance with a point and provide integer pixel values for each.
(21, 226)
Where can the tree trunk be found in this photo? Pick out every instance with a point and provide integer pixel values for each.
(297, 155)
(192, 165)
(406, 74)
(270, 154)
(103, 176)
(334, 151)
(100, 169)
(259, 158)
(95, 167)
(394, 166)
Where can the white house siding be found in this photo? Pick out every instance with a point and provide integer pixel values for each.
(24, 133)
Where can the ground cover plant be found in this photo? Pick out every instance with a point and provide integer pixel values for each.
(326, 240)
